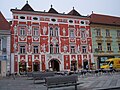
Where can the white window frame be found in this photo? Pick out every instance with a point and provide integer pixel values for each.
(84, 49)
(51, 49)
(35, 31)
(118, 33)
(51, 31)
(107, 33)
(57, 48)
(22, 49)
(72, 50)
(83, 35)
(119, 46)
(22, 31)
(72, 33)
(100, 46)
(35, 49)
(108, 46)
(98, 32)
(56, 31)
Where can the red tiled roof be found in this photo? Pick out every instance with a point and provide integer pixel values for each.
(4, 24)
(74, 12)
(104, 19)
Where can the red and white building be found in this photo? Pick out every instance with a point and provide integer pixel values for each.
(49, 40)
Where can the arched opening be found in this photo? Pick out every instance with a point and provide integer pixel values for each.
(54, 65)
(22, 67)
(85, 64)
(36, 66)
(73, 65)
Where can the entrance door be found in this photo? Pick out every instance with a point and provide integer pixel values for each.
(54, 65)
(73, 65)
(36, 67)
(85, 64)
(22, 67)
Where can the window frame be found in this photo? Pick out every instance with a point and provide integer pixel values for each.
(98, 32)
(107, 33)
(36, 49)
(100, 46)
(72, 50)
(118, 33)
(22, 49)
(71, 33)
(109, 47)
(119, 46)
(22, 31)
(84, 50)
(35, 31)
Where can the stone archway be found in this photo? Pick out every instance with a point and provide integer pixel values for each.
(54, 65)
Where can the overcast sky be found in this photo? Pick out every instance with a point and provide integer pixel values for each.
(84, 7)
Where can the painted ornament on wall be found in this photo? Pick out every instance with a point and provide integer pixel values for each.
(44, 30)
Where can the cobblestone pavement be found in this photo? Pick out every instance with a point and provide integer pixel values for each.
(91, 82)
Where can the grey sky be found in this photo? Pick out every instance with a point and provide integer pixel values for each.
(84, 7)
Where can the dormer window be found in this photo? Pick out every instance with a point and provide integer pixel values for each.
(35, 18)
(53, 20)
(82, 22)
(22, 17)
(70, 21)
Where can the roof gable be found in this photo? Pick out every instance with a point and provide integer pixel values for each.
(4, 24)
(52, 10)
(27, 7)
(74, 12)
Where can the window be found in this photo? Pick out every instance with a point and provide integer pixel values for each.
(51, 48)
(82, 22)
(72, 33)
(84, 49)
(70, 21)
(107, 33)
(22, 17)
(22, 49)
(35, 31)
(0, 44)
(51, 31)
(56, 31)
(100, 46)
(83, 35)
(119, 46)
(22, 31)
(118, 33)
(35, 49)
(53, 20)
(57, 48)
(109, 46)
(98, 32)
(35, 18)
(72, 49)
